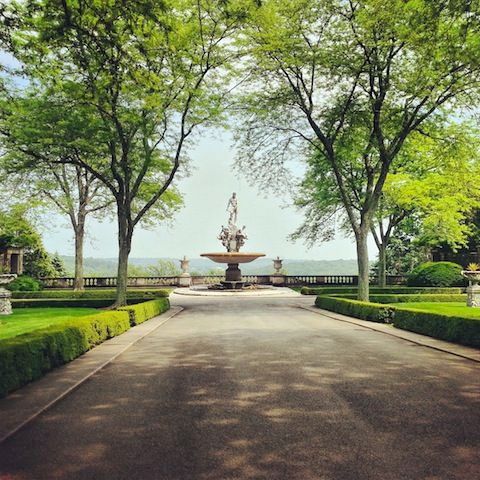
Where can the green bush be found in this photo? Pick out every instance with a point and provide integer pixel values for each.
(378, 290)
(93, 293)
(436, 274)
(408, 298)
(27, 357)
(24, 283)
(143, 311)
(373, 312)
(73, 302)
(465, 331)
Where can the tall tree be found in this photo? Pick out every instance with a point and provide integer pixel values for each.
(150, 71)
(353, 80)
(36, 160)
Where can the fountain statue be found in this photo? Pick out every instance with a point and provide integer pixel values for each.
(232, 238)
(5, 295)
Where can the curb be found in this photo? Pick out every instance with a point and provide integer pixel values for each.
(169, 314)
(408, 336)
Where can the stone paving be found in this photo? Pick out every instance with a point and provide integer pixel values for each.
(258, 388)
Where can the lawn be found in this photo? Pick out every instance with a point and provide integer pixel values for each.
(25, 320)
(457, 309)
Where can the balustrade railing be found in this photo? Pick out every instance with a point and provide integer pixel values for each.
(169, 281)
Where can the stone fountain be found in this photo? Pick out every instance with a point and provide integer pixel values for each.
(232, 238)
(5, 295)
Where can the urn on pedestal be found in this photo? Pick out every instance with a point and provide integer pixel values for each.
(472, 274)
(5, 295)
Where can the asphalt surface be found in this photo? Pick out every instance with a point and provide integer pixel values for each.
(255, 388)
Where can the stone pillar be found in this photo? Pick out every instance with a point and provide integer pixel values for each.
(277, 279)
(473, 295)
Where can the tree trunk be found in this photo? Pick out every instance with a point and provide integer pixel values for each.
(78, 283)
(124, 246)
(382, 265)
(363, 266)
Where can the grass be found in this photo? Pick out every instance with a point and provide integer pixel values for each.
(25, 320)
(456, 309)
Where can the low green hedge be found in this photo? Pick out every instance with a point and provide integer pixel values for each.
(27, 357)
(76, 302)
(408, 298)
(374, 312)
(465, 331)
(143, 311)
(93, 293)
(377, 290)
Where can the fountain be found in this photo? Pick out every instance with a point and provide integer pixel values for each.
(5, 295)
(232, 238)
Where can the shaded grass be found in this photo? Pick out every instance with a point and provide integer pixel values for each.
(457, 309)
(26, 320)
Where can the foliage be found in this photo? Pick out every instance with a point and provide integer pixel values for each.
(436, 274)
(17, 230)
(25, 320)
(149, 75)
(473, 267)
(384, 298)
(71, 302)
(24, 283)
(450, 327)
(372, 312)
(381, 291)
(164, 268)
(99, 293)
(143, 311)
(27, 357)
(354, 83)
(58, 265)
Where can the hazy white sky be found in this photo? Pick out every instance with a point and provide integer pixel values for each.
(269, 220)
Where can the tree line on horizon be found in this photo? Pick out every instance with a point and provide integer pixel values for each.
(375, 98)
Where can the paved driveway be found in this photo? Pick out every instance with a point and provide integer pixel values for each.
(256, 388)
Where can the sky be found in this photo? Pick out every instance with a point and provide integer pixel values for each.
(269, 219)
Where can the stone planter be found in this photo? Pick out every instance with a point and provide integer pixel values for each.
(473, 289)
(5, 295)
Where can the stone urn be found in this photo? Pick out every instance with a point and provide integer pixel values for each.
(473, 289)
(277, 264)
(185, 278)
(5, 295)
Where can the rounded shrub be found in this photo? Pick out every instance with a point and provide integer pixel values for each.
(436, 274)
(24, 283)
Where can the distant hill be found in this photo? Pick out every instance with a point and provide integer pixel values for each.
(106, 267)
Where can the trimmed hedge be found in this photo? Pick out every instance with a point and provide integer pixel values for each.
(465, 331)
(27, 357)
(409, 298)
(78, 302)
(143, 311)
(374, 312)
(378, 290)
(94, 293)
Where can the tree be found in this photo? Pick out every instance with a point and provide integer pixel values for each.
(150, 71)
(16, 230)
(352, 80)
(36, 159)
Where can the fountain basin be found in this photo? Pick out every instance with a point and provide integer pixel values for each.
(233, 257)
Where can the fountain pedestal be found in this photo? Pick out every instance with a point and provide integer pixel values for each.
(233, 277)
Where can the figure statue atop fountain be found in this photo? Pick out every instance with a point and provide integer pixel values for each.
(232, 209)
